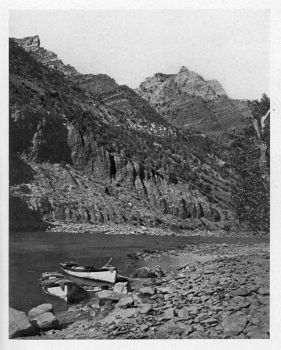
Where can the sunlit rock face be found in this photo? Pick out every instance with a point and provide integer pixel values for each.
(188, 101)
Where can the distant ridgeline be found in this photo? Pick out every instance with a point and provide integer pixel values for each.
(85, 150)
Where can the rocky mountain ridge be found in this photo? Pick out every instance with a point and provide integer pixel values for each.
(75, 153)
(94, 83)
(188, 101)
(186, 82)
(31, 44)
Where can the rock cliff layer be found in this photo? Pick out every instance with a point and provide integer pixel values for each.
(188, 101)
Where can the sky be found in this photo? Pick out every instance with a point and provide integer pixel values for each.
(231, 46)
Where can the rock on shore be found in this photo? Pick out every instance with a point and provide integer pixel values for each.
(19, 325)
(40, 318)
(224, 297)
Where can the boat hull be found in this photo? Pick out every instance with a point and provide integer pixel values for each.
(104, 276)
(52, 284)
(56, 292)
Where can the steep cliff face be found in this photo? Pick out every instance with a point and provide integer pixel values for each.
(188, 101)
(98, 154)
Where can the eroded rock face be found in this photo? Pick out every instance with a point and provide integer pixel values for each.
(187, 100)
(73, 141)
(61, 193)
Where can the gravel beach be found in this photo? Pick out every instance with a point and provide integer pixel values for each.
(222, 292)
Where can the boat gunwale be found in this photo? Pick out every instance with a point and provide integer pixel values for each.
(101, 269)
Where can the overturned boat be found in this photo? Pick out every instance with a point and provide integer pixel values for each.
(55, 283)
(107, 273)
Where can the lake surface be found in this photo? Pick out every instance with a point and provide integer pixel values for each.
(31, 254)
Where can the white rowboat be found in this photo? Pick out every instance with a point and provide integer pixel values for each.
(104, 274)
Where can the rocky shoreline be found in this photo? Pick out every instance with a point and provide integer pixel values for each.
(223, 294)
(123, 229)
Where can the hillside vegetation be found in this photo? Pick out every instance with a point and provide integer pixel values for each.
(83, 149)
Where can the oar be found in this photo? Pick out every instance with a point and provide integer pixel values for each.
(108, 262)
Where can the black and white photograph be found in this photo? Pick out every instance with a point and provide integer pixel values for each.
(139, 174)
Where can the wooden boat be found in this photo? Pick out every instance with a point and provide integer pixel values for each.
(54, 283)
(107, 273)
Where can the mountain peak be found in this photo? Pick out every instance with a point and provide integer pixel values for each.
(183, 70)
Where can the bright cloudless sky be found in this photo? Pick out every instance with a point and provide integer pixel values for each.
(231, 46)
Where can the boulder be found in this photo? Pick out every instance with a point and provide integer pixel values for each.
(125, 303)
(214, 280)
(257, 333)
(108, 295)
(189, 329)
(184, 313)
(168, 314)
(234, 324)
(118, 315)
(45, 321)
(197, 335)
(166, 289)
(19, 325)
(121, 287)
(263, 291)
(144, 272)
(147, 291)
(144, 328)
(241, 292)
(146, 309)
(158, 271)
(137, 300)
(39, 310)
(162, 331)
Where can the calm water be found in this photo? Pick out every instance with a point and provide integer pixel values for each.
(34, 253)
